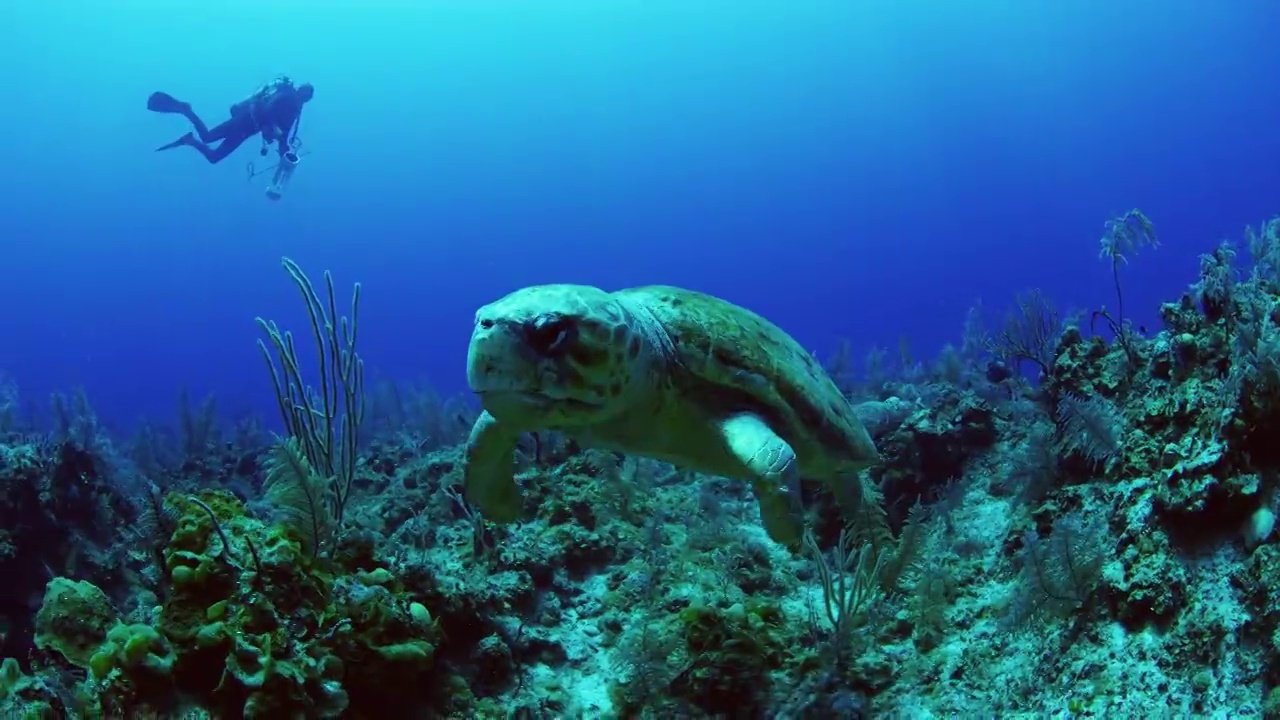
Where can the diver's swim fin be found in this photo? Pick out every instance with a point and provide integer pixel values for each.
(166, 103)
(184, 140)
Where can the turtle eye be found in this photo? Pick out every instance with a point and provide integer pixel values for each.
(551, 335)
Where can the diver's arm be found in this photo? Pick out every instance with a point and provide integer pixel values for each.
(282, 142)
(290, 113)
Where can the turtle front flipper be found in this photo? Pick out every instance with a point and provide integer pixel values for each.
(775, 475)
(488, 478)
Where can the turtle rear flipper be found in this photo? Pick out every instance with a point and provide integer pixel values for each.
(489, 476)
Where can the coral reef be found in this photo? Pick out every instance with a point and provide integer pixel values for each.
(1080, 522)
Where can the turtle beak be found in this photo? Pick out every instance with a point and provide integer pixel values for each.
(514, 408)
(496, 358)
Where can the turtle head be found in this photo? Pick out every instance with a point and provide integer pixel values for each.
(557, 357)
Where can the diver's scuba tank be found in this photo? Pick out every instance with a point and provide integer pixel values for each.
(255, 101)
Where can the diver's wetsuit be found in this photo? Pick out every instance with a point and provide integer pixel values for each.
(231, 133)
(275, 119)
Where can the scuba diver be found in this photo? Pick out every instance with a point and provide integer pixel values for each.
(274, 111)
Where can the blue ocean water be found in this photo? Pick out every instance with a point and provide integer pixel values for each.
(861, 170)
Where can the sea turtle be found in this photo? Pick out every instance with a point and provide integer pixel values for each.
(660, 372)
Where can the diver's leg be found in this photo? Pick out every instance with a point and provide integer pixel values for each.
(220, 131)
(166, 103)
(217, 154)
(205, 134)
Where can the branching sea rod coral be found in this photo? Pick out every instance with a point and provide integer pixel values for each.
(326, 420)
(1122, 238)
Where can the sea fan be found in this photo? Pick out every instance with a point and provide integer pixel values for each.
(298, 494)
(1092, 428)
